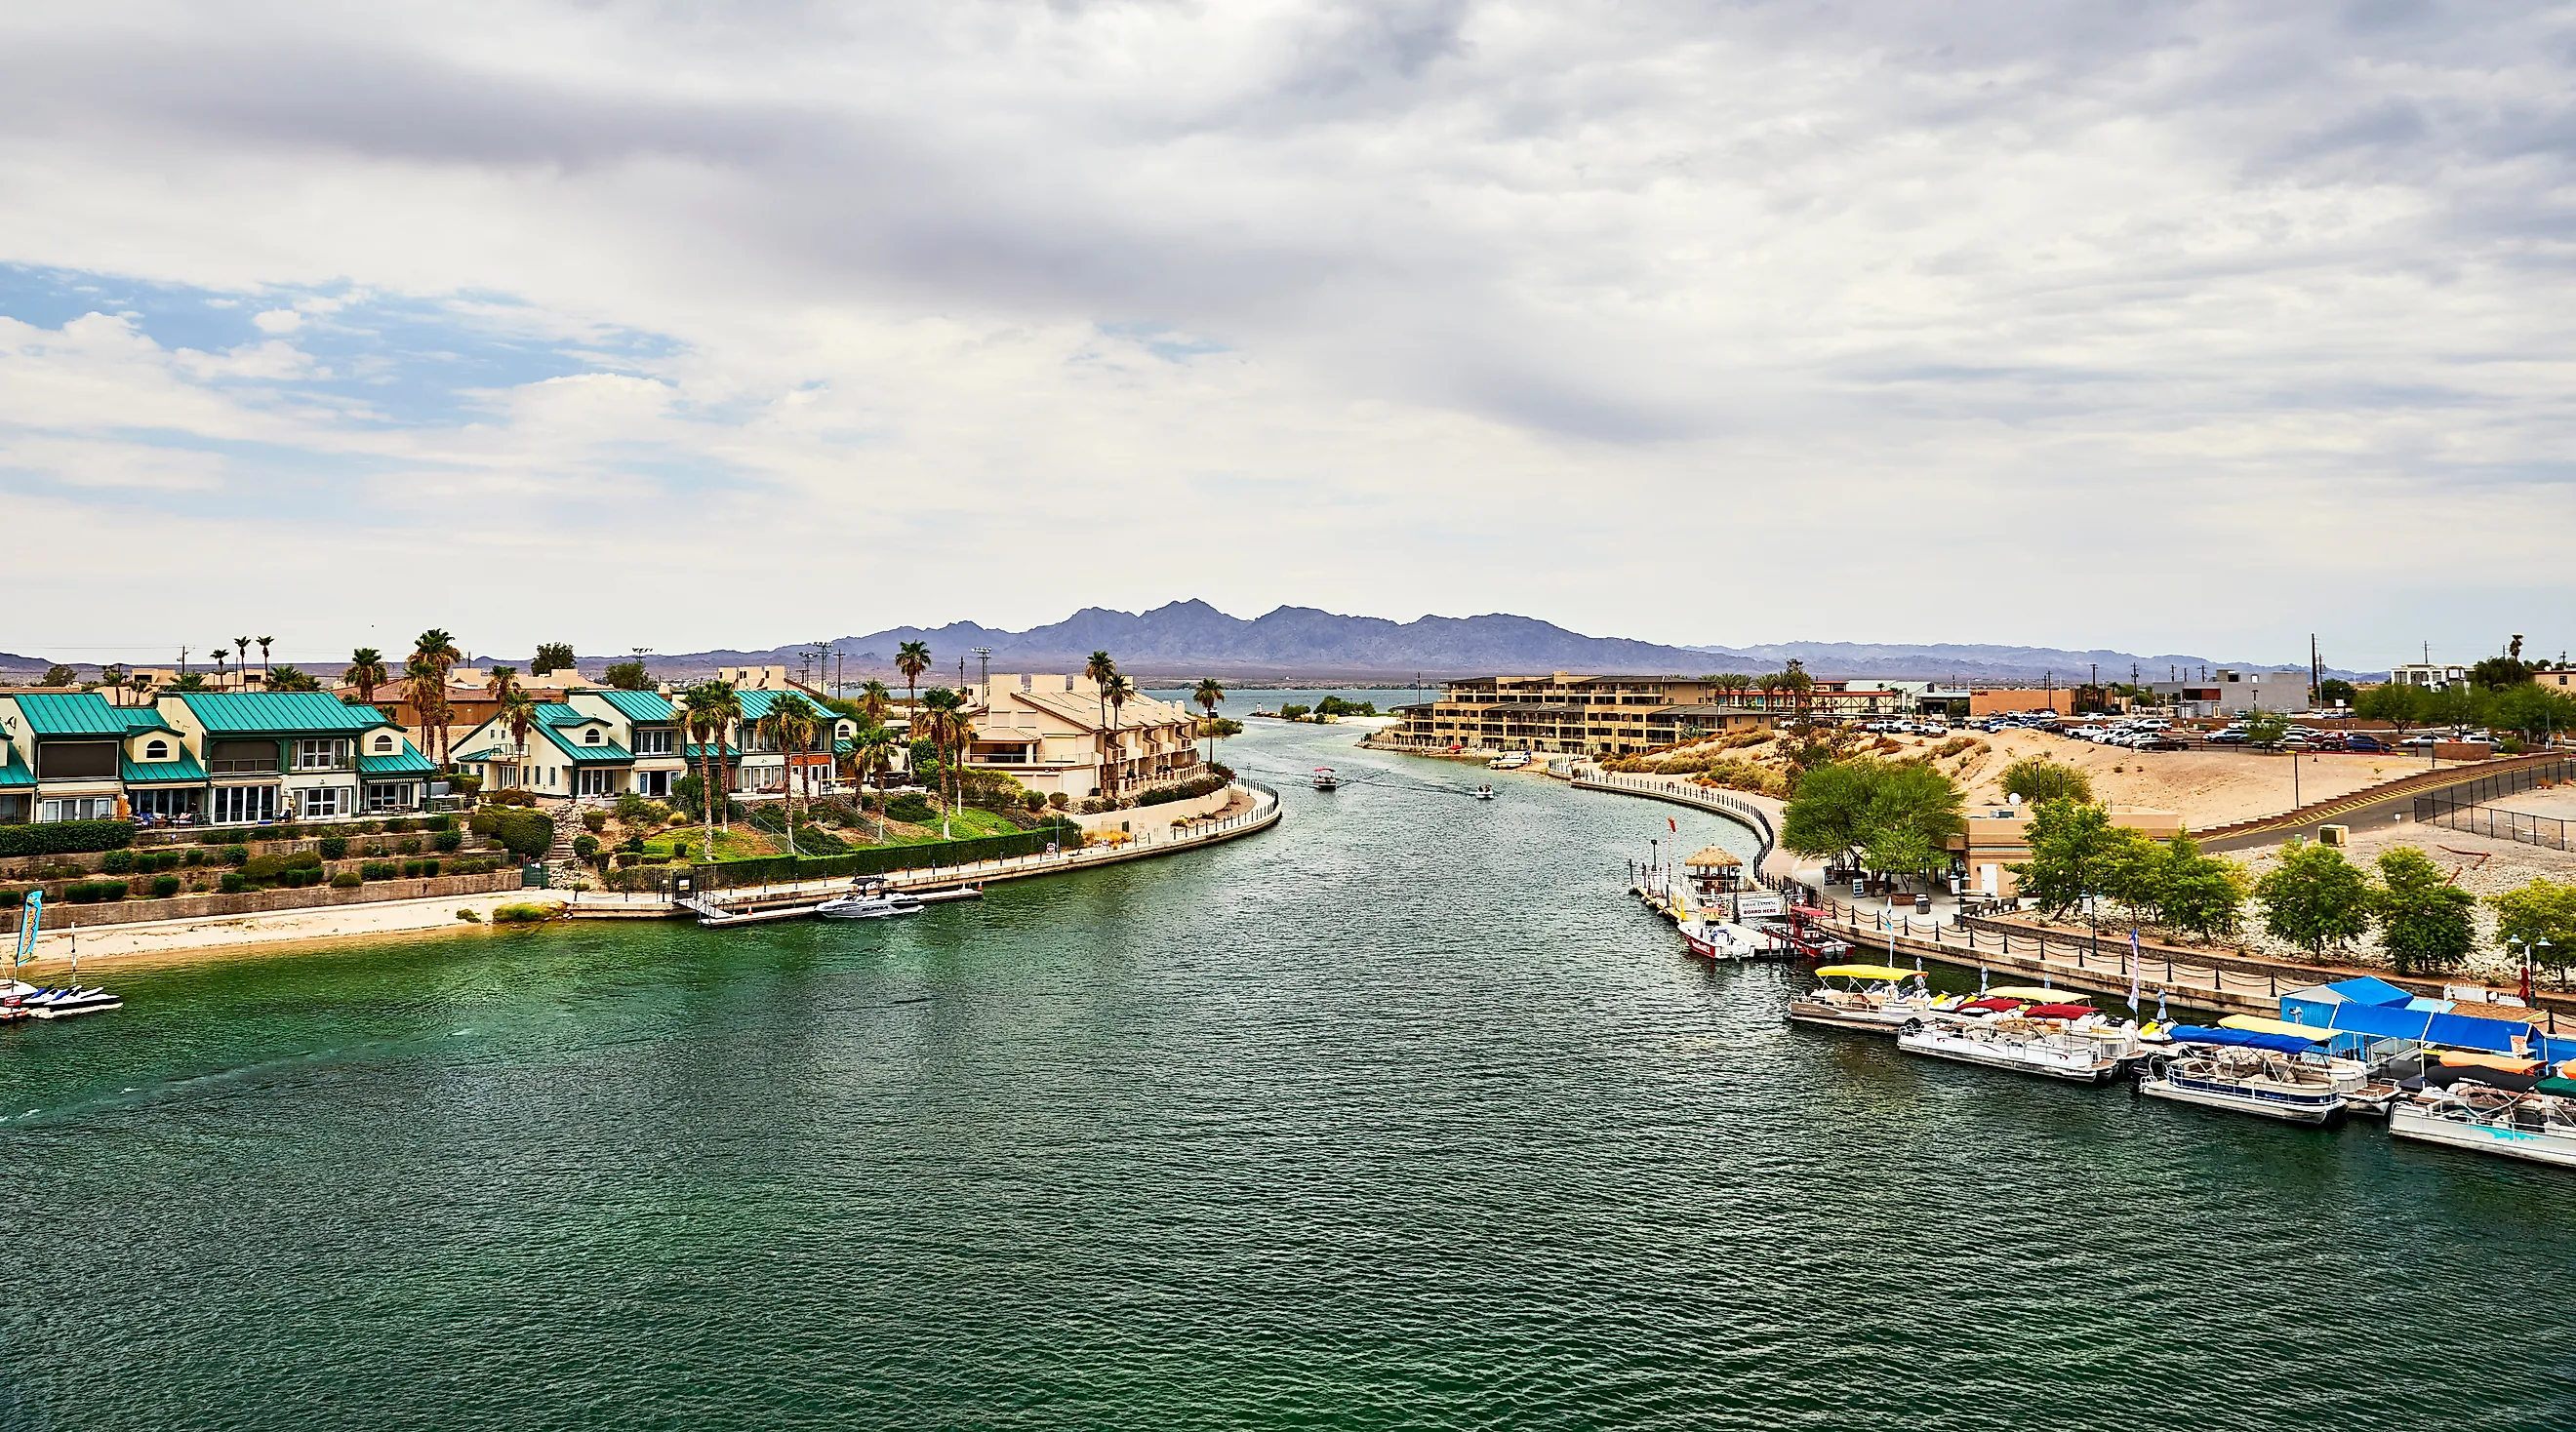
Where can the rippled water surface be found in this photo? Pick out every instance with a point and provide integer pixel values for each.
(1397, 1116)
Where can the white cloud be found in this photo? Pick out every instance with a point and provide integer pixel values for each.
(1808, 311)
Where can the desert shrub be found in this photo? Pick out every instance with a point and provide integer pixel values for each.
(1058, 800)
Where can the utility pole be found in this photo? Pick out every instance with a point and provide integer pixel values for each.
(984, 674)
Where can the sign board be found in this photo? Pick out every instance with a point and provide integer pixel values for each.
(808, 759)
(1752, 907)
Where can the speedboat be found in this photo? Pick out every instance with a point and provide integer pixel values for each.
(2539, 1126)
(2047, 1040)
(869, 899)
(1325, 780)
(1483, 793)
(2263, 1075)
(1870, 997)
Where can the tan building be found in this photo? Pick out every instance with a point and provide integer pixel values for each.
(1996, 840)
(2012, 700)
(1613, 715)
(1053, 734)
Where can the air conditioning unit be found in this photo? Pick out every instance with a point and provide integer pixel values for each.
(2334, 835)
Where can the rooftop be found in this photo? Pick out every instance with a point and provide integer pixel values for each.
(86, 714)
(278, 713)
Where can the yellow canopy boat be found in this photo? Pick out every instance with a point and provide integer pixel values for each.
(1865, 972)
(2256, 1024)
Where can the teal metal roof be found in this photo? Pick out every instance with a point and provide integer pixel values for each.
(86, 714)
(607, 753)
(140, 719)
(489, 753)
(159, 773)
(280, 713)
(638, 705)
(555, 713)
(406, 762)
(694, 753)
(15, 773)
(756, 704)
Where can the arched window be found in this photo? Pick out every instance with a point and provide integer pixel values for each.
(384, 744)
(590, 737)
(157, 751)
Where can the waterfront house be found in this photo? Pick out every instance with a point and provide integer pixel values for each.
(205, 758)
(600, 743)
(1054, 735)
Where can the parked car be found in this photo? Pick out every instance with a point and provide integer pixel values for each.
(2229, 737)
(2370, 744)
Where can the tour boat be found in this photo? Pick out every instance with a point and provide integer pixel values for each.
(1870, 997)
(2089, 1050)
(2539, 1127)
(2268, 1080)
(1325, 780)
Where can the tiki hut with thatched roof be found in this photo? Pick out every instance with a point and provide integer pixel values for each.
(1715, 868)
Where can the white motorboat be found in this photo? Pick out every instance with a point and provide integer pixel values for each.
(1870, 997)
(2539, 1128)
(869, 899)
(2091, 1050)
(1324, 780)
(1483, 793)
(1715, 939)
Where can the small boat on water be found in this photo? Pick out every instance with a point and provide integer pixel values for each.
(2538, 1126)
(2057, 1041)
(1870, 997)
(1324, 780)
(2268, 1080)
(869, 899)
(1483, 793)
(69, 1001)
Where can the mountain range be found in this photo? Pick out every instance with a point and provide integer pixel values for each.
(1192, 639)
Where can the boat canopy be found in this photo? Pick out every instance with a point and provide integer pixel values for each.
(2369, 989)
(1992, 1001)
(2421, 1026)
(2242, 1039)
(2259, 1025)
(2457, 1060)
(1865, 972)
(2556, 1084)
(2044, 996)
(2057, 1011)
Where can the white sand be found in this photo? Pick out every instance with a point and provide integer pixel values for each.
(272, 928)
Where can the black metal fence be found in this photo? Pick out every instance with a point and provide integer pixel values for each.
(2466, 808)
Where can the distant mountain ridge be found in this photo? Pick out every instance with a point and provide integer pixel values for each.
(1192, 639)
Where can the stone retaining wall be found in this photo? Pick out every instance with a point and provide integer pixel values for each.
(253, 902)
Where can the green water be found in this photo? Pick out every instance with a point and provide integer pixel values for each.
(1397, 1116)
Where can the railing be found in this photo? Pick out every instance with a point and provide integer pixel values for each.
(2476, 819)
(1680, 791)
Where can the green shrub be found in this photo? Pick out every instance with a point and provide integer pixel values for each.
(585, 846)
(1035, 801)
(117, 862)
(1058, 800)
(213, 837)
(65, 836)
(436, 823)
(399, 825)
(486, 821)
(346, 880)
(196, 858)
(448, 841)
(525, 833)
(594, 821)
(372, 827)
(469, 917)
(334, 847)
(236, 854)
(379, 870)
(910, 808)
(524, 914)
(407, 847)
(411, 870)
(163, 887)
(232, 883)
(12, 899)
(85, 893)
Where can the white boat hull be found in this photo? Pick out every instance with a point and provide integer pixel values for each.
(2407, 1121)
(2074, 1065)
(2314, 1113)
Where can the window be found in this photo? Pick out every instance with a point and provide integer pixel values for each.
(321, 755)
(590, 736)
(244, 805)
(390, 795)
(241, 758)
(75, 761)
(326, 802)
(166, 803)
(384, 744)
(652, 740)
(156, 750)
(593, 782)
(76, 808)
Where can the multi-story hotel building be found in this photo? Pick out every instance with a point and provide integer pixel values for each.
(1615, 715)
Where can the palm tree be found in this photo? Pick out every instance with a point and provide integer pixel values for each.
(141, 685)
(725, 703)
(366, 672)
(219, 664)
(1100, 669)
(434, 653)
(502, 681)
(710, 706)
(241, 644)
(1731, 684)
(912, 659)
(941, 708)
(791, 723)
(872, 753)
(519, 712)
(113, 678)
(1209, 695)
(1118, 689)
(875, 701)
(263, 651)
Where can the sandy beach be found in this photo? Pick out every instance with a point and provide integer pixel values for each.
(274, 932)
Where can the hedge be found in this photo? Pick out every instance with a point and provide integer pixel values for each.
(780, 869)
(65, 836)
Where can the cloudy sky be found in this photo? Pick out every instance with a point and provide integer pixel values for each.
(2146, 325)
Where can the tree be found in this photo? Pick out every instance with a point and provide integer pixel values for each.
(942, 712)
(628, 676)
(2313, 899)
(366, 672)
(872, 753)
(2335, 689)
(519, 714)
(2542, 912)
(220, 658)
(2201, 894)
(1209, 695)
(912, 659)
(2036, 779)
(501, 682)
(113, 678)
(1900, 816)
(2530, 708)
(1118, 689)
(292, 678)
(2076, 851)
(552, 656)
(2498, 672)
(241, 655)
(2424, 920)
(2399, 705)
(61, 675)
(263, 654)
(875, 701)
(2266, 728)
(791, 723)
(433, 655)
(709, 708)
